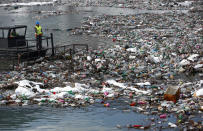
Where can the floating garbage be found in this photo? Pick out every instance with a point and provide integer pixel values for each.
(107, 105)
(172, 125)
(133, 104)
(27, 4)
(150, 61)
(137, 126)
(163, 116)
(172, 93)
(199, 93)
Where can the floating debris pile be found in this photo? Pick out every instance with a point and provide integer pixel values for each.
(146, 67)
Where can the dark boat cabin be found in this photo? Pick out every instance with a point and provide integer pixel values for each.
(13, 36)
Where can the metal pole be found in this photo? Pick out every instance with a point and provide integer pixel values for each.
(52, 44)
(3, 33)
(71, 63)
(47, 42)
(70, 52)
(27, 44)
(73, 48)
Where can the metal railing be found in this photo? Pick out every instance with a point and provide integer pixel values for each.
(30, 52)
(14, 55)
(7, 62)
(71, 48)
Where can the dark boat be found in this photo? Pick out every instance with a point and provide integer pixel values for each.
(13, 43)
(16, 48)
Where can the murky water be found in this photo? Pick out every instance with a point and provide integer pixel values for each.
(95, 117)
(56, 24)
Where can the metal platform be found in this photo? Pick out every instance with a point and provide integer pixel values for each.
(14, 50)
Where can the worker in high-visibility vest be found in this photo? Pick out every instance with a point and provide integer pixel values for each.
(38, 35)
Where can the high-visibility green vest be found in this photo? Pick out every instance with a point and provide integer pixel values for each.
(38, 30)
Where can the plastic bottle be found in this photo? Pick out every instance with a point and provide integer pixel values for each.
(107, 105)
(1, 97)
(163, 116)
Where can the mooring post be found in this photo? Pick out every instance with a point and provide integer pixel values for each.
(71, 59)
(73, 49)
(52, 44)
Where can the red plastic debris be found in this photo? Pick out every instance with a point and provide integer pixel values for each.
(137, 126)
(132, 104)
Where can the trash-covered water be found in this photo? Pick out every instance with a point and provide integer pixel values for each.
(60, 19)
(150, 77)
(56, 24)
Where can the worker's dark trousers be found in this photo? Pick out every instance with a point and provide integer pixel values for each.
(39, 42)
